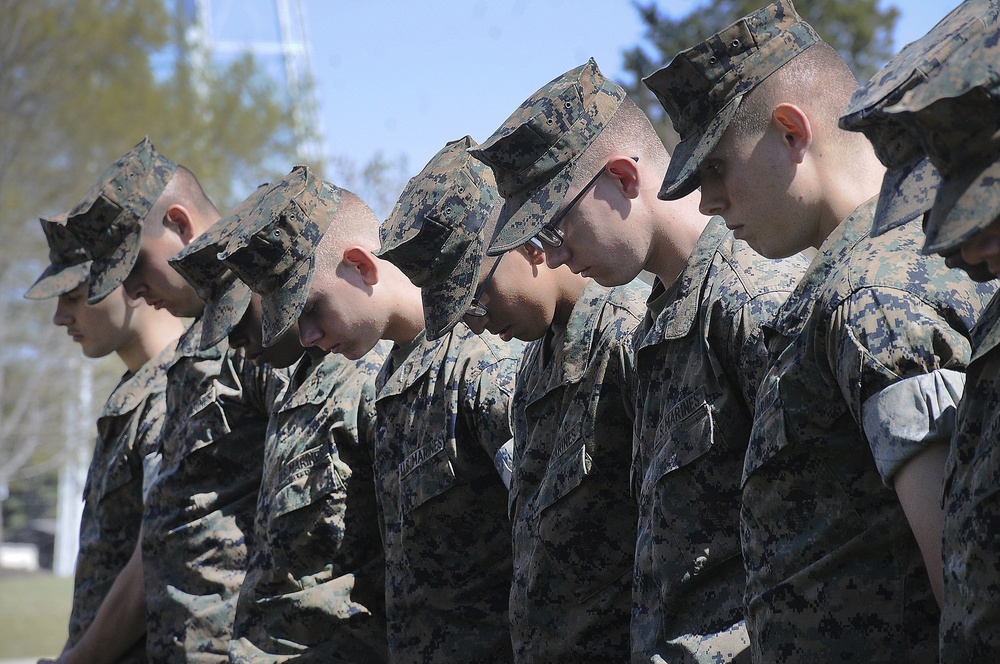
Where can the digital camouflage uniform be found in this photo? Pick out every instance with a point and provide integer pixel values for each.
(699, 361)
(126, 447)
(314, 589)
(952, 110)
(873, 334)
(572, 512)
(443, 412)
(315, 583)
(199, 510)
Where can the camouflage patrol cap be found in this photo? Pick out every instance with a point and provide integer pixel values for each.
(108, 220)
(911, 180)
(69, 265)
(273, 248)
(437, 232)
(703, 86)
(956, 114)
(534, 153)
(226, 297)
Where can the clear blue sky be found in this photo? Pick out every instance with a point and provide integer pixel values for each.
(402, 77)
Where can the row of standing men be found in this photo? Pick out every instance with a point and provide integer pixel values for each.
(782, 452)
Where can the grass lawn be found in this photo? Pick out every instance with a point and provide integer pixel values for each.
(34, 609)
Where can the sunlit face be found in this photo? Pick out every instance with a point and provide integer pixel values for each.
(520, 299)
(100, 329)
(338, 316)
(979, 256)
(153, 280)
(749, 183)
(248, 336)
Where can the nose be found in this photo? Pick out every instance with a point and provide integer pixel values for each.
(980, 247)
(61, 316)
(476, 323)
(309, 334)
(712, 201)
(134, 288)
(556, 256)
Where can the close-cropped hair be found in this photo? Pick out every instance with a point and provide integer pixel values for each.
(354, 223)
(183, 188)
(628, 131)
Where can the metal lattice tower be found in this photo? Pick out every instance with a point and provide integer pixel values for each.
(274, 32)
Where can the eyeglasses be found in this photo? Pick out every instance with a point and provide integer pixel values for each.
(550, 233)
(476, 308)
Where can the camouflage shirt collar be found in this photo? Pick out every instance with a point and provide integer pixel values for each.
(986, 333)
(408, 362)
(581, 328)
(676, 307)
(833, 255)
(313, 381)
(135, 387)
(188, 344)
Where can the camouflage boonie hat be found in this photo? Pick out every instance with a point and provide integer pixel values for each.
(911, 180)
(703, 86)
(226, 297)
(437, 232)
(273, 248)
(69, 265)
(108, 220)
(534, 153)
(956, 115)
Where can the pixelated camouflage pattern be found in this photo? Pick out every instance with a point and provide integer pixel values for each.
(911, 181)
(970, 616)
(572, 511)
(437, 232)
(703, 86)
(272, 249)
(69, 265)
(443, 412)
(226, 297)
(534, 152)
(834, 571)
(699, 360)
(954, 114)
(199, 511)
(315, 584)
(108, 220)
(128, 430)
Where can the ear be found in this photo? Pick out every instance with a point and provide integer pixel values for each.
(532, 252)
(626, 171)
(796, 130)
(361, 261)
(178, 219)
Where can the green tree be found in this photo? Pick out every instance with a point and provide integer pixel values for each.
(859, 30)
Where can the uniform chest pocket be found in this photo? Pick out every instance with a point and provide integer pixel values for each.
(117, 473)
(691, 491)
(589, 536)
(425, 474)
(206, 424)
(308, 478)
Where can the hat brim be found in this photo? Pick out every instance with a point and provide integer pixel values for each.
(682, 175)
(446, 301)
(224, 313)
(281, 308)
(58, 280)
(963, 206)
(109, 272)
(522, 216)
(907, 193)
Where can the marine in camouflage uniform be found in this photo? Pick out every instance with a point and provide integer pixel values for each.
(573, 516)
(199, 511)
(699, 358)
(126, 452)
(574, 519)
(443, 412)
(834, 569)
(949, 108)
(314, 588)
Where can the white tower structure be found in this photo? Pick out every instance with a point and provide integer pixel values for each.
(274, 32)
